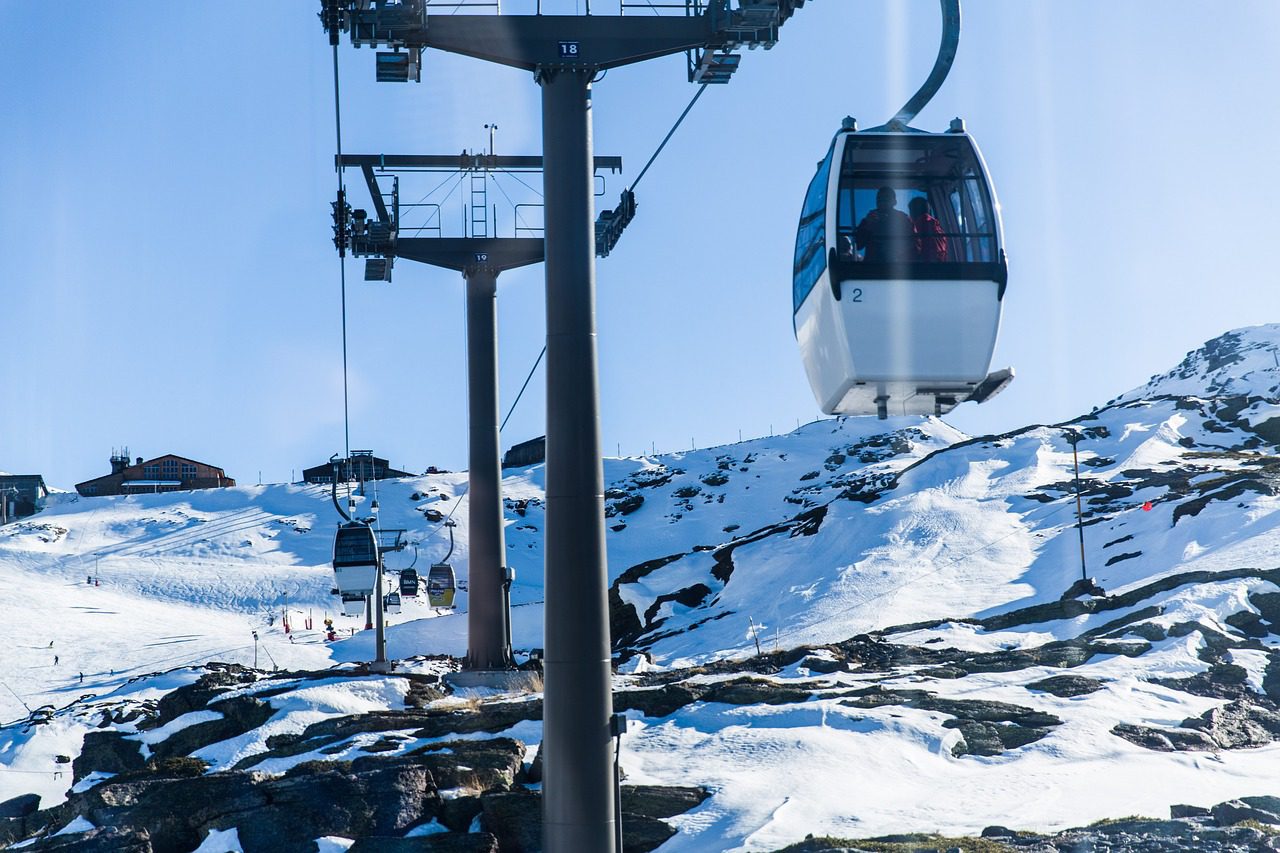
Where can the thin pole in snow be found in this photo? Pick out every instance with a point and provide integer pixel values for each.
(1074, 438)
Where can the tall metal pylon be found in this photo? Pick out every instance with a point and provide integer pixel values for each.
(565, 53)
(481, 256)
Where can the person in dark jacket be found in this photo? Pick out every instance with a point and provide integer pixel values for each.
(931, 243)
(886, 232)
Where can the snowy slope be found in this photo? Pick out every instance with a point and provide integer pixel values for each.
(952, 553)
(187, 577)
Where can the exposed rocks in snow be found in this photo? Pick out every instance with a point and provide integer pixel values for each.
(107, 752)
(45, 533)
(372, 776)
(476, 842)
(1246, 825)
(1066, 685)
(986, 727)
(1239, 724)
(1083, 587)
(19, 806)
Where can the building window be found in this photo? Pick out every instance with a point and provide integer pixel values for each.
(188, 471)
(151, 471)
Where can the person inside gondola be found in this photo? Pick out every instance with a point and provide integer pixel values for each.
(886, 233)
(931, 242)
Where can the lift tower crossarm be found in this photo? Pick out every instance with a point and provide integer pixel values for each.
(541, 41)
(549, 43)
(494, 254)
(456, 161)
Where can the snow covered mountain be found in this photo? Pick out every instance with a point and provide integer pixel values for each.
(858, 628)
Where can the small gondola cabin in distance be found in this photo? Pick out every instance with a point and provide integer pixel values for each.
(168, 473)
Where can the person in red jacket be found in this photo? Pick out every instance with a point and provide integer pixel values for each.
(886, 232)
(931, 243)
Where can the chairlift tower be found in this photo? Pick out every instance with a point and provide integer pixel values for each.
(417, 232)
(565, 53)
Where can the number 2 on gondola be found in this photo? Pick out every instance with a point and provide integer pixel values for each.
(855, 295)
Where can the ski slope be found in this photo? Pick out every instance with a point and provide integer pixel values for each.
(904, 529)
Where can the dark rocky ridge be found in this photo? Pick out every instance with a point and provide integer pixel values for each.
(1246, 825)
(169, 802)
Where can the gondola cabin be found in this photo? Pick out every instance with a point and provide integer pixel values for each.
(409, 582)
(391, 602)
(355, 559)
(900, 274)
(353, 605)
(441, 585)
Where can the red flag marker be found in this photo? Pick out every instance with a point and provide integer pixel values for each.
(1146, 507)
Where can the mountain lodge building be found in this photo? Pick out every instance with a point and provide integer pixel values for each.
(168, 473)
(361, 467)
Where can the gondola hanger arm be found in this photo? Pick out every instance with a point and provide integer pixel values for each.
(941, 67)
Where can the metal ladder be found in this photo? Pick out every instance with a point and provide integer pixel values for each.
(479, 204)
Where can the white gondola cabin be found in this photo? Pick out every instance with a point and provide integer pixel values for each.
(353, 605)
(355, 559)
(391, 602)
(899, 274)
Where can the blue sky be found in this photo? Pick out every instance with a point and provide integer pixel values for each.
(167, 281)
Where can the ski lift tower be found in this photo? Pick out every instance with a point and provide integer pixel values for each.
(479, 243)
(565, 53)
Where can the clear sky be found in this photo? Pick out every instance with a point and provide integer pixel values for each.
(167, 280)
